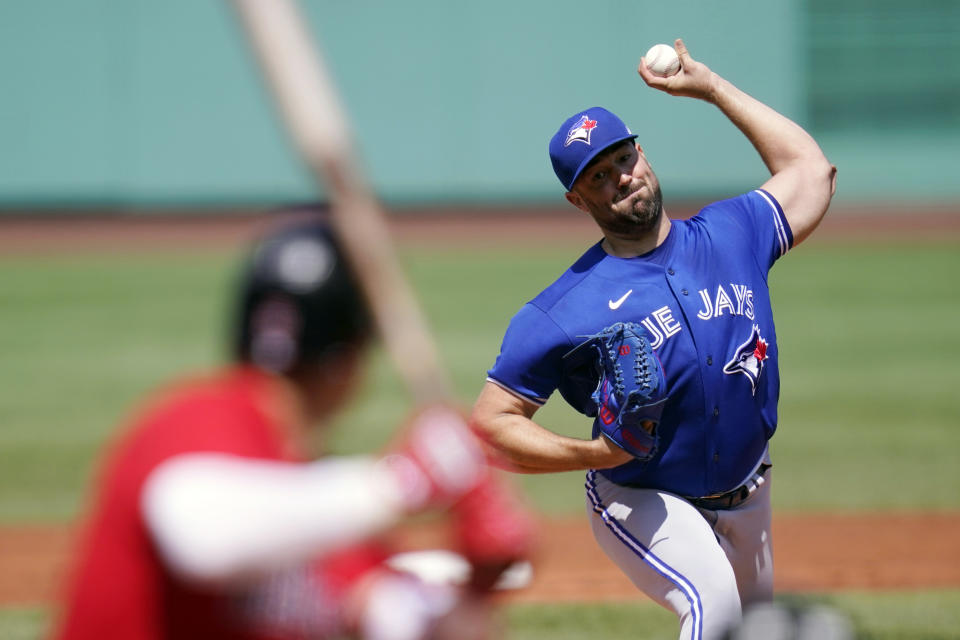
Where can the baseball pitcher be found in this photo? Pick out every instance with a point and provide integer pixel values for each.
(662, 333)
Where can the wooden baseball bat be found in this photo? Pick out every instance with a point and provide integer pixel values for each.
(309, 104)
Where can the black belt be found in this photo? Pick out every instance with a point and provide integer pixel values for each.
(734, 497)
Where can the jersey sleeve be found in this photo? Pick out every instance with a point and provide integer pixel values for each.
(531, 355)
(757, 220)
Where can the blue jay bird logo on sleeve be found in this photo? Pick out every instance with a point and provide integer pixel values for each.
(581, 131)
(749, 358)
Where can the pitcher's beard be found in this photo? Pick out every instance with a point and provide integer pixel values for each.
(643, 217)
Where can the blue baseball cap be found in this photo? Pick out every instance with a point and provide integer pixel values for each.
(580, 138)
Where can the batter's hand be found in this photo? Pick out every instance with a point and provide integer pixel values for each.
(694, 80)
(493, 529)
(437, 459)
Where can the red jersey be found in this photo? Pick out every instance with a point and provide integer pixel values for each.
(120, 587)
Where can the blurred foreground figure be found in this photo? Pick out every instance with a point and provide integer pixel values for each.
(777, 621)
(210, 522)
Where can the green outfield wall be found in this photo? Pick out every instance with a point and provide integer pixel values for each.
(136, 103)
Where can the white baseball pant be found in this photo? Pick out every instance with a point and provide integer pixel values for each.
(704, 565)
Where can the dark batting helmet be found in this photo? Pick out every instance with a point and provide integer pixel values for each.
(298, 297)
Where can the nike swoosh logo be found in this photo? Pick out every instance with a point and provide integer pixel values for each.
(615, 304)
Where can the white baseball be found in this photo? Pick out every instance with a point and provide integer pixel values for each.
(662, 60)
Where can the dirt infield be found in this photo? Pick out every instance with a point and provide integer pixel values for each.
(813, 553)
(500, 227)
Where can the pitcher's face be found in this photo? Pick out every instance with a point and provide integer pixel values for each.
(620, 191)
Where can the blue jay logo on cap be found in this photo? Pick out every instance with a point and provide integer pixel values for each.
(581, 131)
(596, 128)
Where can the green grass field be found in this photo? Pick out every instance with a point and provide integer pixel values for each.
(868, 336)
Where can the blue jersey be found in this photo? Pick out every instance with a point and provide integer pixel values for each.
(703, 299)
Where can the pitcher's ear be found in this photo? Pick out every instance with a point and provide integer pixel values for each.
(575, 200)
